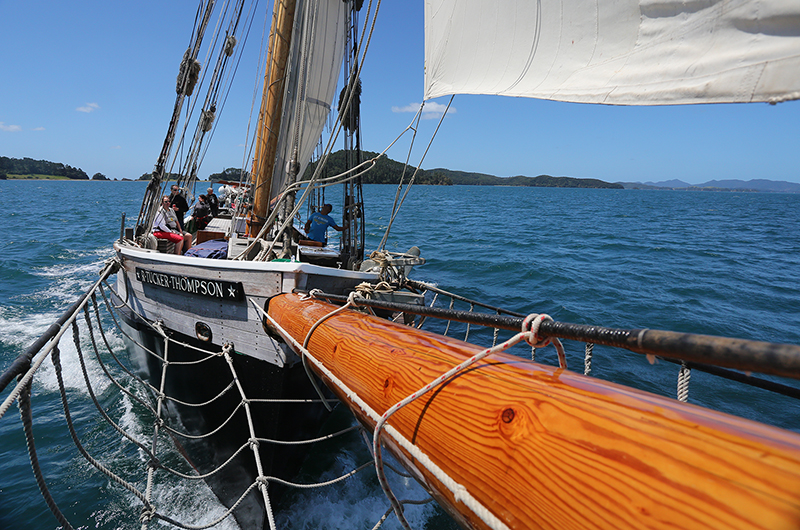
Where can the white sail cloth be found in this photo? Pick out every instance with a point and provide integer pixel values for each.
(621, 52)
(313, 70)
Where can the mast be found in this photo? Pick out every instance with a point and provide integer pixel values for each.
(352, 253)
(269, 119)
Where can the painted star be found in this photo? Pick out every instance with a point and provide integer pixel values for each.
(232, 291)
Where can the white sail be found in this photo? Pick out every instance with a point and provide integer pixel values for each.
(313, 71)
(621, 52)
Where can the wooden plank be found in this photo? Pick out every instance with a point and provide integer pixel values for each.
(541, 447)
(208, 235)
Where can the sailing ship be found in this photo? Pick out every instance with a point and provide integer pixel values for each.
(209, 305)
(272, 329)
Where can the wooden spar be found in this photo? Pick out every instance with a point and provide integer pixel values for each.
(269, 118)
(542, 447)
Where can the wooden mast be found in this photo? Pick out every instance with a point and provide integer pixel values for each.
(540, 447)
(269, 119)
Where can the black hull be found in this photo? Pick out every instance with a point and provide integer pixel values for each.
(202, 382)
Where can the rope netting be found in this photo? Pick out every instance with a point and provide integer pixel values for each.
(91, 336)
(158, 408)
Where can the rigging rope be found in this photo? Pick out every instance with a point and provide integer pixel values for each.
(26, 417)
(529, 333)
(22, 392)
(148, 512)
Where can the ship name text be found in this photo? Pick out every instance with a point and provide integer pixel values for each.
(187, 284)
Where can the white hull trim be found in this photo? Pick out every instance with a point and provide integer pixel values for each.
(230, 319)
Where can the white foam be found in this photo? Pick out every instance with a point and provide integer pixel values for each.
(63, 270)
(357, 502)
(190, 502)
(20, 330)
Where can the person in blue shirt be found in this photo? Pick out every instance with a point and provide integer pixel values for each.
(318, 223)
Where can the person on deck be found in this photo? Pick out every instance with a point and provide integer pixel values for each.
(201, 213)
(213, 202)
(179, 205)
(165, 226)
(318, 223)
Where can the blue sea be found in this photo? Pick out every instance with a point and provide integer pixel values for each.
(702, 262)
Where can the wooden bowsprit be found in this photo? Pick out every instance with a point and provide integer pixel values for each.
(541, 447)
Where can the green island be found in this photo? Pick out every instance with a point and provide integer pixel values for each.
(28, 168)
(386, 171)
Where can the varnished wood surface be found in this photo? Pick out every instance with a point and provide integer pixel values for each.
(542, 447)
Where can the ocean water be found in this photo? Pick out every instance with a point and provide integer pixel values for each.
(701, 262)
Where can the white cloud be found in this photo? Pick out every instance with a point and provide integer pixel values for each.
(90, 107)
(39, 129)
(116, 147)
(431, 110)
(9, 128)
(411, 107)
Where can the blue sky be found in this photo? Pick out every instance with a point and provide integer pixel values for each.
(91, 84)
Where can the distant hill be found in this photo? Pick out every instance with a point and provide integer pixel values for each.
(674, 183)
(388, 171)
(755, 184)
(30, 168)
(542, 181)
(762, 185)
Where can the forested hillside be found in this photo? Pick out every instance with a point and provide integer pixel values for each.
(22, 167)
(462, 178)
(386, 171)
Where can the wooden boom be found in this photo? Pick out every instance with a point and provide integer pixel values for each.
(542, 447)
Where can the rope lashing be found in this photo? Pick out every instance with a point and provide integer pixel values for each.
(531, 324)
(367, 288)
(313, 293)
(382, 259)
(683, 382)
(529, 333)
(157, 424)
(207, 118)
(146, 516)
(471, 309)
(252, 440)
(404, 501)
(188, 74)
(587, 359)
(230, 44)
